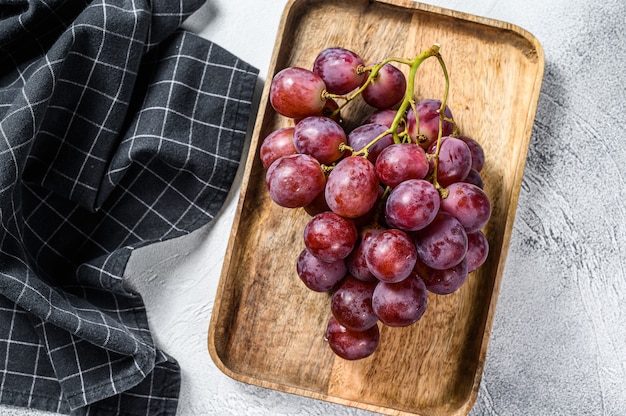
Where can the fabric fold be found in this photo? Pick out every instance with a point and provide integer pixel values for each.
(117, 129)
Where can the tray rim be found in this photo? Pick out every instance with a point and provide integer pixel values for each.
(264, 108)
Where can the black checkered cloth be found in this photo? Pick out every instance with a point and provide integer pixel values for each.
(117, 129)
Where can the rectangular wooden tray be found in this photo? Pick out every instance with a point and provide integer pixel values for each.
(267, 328)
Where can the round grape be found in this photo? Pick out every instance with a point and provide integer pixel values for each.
(400, 162)
(385, 117)
(391, 255)
(351, 304)
(318, 205)
(400, 304)
(330, 237)
(469, 204)
(352, 187)
(477, 250)
(412, 205)
(362, 135)
(455, 160)
(356, 262)
(387, 89)
(297, 92)
(319, 137)
(370, 216)
(442, 244)
(340, 69)
(317, 275)
(277, 144)
(443, 282)
(295, 180)
(474, 178)
(478, 154)
(349, 344)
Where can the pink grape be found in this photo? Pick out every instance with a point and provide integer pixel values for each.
(469, 204)
(387, 89)
(426, 131)
(364, 134)
(455, 160)
(319, 137)
(352, 187)
(277, 144)
(330, 237)
(317, 275)
(443, 282)
(297, 92)
(412, 205)
(349, 344)
(474, 178)
(399, 162)
(478, 154)
(391, 255)
(340, 69)
(351, 304)
(442, 244)
(295, 180)
(356, 261)
(400, 304)
(477, 250)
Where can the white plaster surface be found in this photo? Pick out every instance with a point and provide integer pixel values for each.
(558, 344)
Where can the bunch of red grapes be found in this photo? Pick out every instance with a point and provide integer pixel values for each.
(397, 203)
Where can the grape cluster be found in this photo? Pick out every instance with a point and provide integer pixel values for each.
(396, 203)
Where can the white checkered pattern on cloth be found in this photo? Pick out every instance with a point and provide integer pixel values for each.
(117, 129)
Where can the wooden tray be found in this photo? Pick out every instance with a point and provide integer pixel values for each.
(267, 328)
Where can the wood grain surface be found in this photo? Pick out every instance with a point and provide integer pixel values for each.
(267, 328)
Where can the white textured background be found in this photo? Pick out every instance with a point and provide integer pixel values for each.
(558, 345)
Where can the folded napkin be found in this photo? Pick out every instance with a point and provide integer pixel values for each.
(117, 129)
